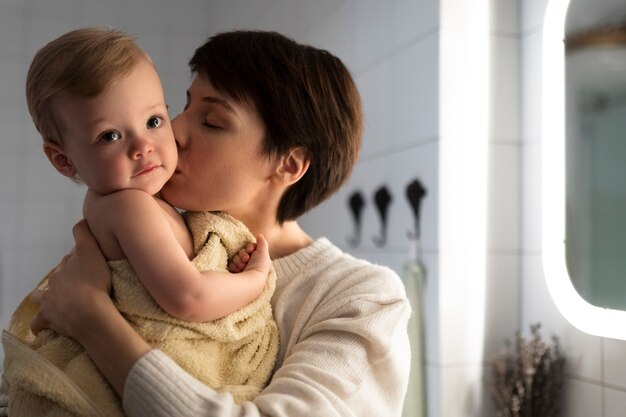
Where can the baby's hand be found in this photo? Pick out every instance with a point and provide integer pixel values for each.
(240, 260)
(252, 257)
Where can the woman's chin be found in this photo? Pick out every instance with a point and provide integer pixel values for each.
(168, 192)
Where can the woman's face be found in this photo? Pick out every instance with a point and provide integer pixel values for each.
(220, 160)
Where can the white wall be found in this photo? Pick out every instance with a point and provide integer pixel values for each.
(394, 50)
(455, 379)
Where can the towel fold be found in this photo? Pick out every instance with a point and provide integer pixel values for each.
(51, 375)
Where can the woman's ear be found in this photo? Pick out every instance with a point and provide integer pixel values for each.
(59, 158)
(293, 166)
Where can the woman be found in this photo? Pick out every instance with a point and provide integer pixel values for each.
(271, 128)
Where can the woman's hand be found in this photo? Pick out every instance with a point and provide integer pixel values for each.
(77, 304)
(78, 284)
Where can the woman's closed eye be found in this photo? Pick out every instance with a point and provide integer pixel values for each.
(211, 125)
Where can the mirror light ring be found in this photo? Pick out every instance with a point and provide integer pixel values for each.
(580, 313)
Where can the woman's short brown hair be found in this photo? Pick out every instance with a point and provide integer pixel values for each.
(81, 62)
(306, 98)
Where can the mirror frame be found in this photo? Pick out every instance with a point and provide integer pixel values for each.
(581, 314)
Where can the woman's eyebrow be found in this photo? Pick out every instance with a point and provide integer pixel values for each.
(217, 100)
(214, 100)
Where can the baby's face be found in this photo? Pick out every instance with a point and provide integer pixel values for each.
(121, 138)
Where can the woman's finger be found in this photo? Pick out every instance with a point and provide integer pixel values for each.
(35, 296)
(37, 324)
(83, 237)
(66, 258)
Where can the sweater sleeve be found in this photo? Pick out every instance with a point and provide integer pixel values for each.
(352, 362)
(157, 386)
(351, 359)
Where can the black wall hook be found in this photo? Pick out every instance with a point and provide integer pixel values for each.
(382, 199)
(356, 202)
(415, 192)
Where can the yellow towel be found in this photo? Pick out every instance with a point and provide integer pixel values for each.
(52, 375)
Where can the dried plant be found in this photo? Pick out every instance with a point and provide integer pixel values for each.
(528, 377)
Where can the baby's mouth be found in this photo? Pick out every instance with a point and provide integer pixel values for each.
(147, 169)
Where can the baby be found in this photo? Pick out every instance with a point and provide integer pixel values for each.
(97, 100)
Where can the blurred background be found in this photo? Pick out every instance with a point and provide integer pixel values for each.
(451, 92)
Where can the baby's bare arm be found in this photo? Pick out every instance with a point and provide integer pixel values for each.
(150, 245)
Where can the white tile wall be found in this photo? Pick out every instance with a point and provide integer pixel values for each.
(505, 19)
(414, 94)
(501, 301)
(414, 19)
(531, 86)
(531, 198)
(505, 89)
(583, 399)
(11, 46)
(531, 15)
(503, 232)
(374, 31)
(335, 31)
(614, 366)
(392, 47)
(462, 391)
(614, 402)
(535, 302)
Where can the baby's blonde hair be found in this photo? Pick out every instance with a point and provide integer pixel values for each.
(82, 62)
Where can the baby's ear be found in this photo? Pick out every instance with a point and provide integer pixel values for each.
(59, 159)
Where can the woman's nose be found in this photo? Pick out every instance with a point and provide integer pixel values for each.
(180, 132)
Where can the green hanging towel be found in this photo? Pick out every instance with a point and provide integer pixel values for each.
(415, 400)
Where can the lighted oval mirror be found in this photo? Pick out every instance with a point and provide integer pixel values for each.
(584, 176)
(595, 128)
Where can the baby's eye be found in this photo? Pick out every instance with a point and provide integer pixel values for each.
(154, 122)
(108, 137)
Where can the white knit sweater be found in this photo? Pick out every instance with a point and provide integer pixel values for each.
(344, 349)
